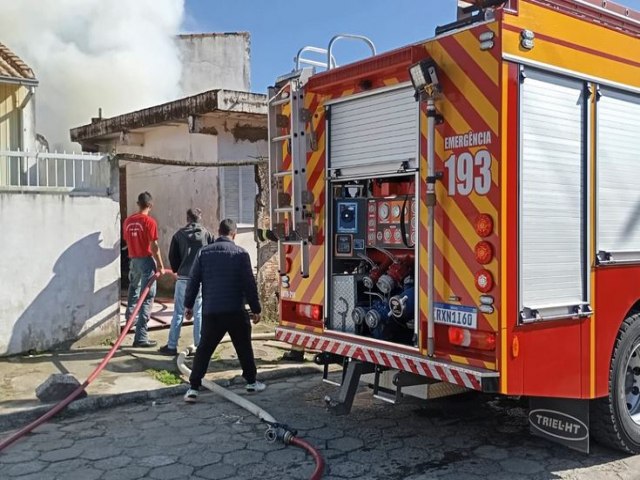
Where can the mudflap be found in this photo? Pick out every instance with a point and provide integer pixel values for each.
(561, 420)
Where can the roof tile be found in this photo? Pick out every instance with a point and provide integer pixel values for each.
(12, 66)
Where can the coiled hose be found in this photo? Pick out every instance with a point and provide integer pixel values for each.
(73, 395)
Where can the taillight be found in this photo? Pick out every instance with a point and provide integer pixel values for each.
(312, 312)
(472, 338)
(484, 252)
(484, 281)
(484, 225)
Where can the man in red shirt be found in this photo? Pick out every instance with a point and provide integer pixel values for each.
(141, 235)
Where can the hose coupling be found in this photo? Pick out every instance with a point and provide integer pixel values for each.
(279, 432)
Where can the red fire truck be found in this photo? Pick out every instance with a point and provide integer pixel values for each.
(464, 213)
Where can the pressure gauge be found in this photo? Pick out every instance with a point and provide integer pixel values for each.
(396, 211)
(387, 235)
(397, 236)
(383, 211)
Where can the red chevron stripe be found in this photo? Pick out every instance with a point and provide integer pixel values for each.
(464, 107)
(469, 66)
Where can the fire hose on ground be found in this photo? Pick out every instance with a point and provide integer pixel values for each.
(73, 395)
(276, 431)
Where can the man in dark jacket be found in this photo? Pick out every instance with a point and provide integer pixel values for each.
(224, 271)
(185, 245)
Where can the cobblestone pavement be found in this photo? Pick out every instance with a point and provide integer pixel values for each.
(466, 437)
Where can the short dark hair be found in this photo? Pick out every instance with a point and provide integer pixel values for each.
(194, 215)
(227, 227)
(145, 200)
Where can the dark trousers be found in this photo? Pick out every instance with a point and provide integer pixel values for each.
(213, 329)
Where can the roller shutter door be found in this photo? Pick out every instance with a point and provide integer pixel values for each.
(552, 221)
(618, 176)
(378, 131)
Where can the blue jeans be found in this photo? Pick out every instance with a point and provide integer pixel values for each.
(140, 272)
(178, 314)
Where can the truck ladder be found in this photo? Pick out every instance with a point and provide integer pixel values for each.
(290, 201)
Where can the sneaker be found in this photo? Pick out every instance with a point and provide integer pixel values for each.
(166, 350)
(145, 344)
(191, 396)
(255, 387)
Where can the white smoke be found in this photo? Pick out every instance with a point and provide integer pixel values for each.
(116, 54)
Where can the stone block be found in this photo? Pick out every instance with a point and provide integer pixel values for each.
(57, 387)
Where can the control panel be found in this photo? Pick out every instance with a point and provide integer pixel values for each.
(385, 219)
(350, 227)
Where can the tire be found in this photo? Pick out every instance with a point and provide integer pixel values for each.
(612, 423)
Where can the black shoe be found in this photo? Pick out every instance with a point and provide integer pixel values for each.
(165, 350)
(293, 356)
(147, 344)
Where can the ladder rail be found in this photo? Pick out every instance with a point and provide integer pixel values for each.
(292, 217)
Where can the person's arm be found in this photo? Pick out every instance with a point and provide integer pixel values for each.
(249, 286)
(174, 255)
(155, 249)
(193, 287)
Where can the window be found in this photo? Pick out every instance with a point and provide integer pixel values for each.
(238, 193)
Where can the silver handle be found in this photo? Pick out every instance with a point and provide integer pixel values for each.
(350, 36)
(314, 63)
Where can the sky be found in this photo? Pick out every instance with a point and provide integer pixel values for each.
(279, 28)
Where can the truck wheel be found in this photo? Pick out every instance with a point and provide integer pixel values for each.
(615, 419)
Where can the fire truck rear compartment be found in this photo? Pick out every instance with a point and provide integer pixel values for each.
(372, 258)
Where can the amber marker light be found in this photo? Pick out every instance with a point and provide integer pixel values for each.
(484, 225)
(484, 252)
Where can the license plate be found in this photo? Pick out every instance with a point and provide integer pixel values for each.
(456, 315)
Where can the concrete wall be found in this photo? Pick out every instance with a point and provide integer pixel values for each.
(60, 270)
(214, 60)
(175, 189)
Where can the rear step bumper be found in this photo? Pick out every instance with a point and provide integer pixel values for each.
(465, 376)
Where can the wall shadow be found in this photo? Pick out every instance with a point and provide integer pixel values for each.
(58, 314)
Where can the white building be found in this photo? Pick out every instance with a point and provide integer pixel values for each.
(203, 130)
(59, 232)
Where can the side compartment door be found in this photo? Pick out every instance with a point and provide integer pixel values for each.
(618, 177)
(553, 266)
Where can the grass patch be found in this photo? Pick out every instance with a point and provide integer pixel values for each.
(165, 376)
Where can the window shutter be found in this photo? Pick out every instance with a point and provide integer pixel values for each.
(248, 195)
(231, 193)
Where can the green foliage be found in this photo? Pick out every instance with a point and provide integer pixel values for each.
(165, 376)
